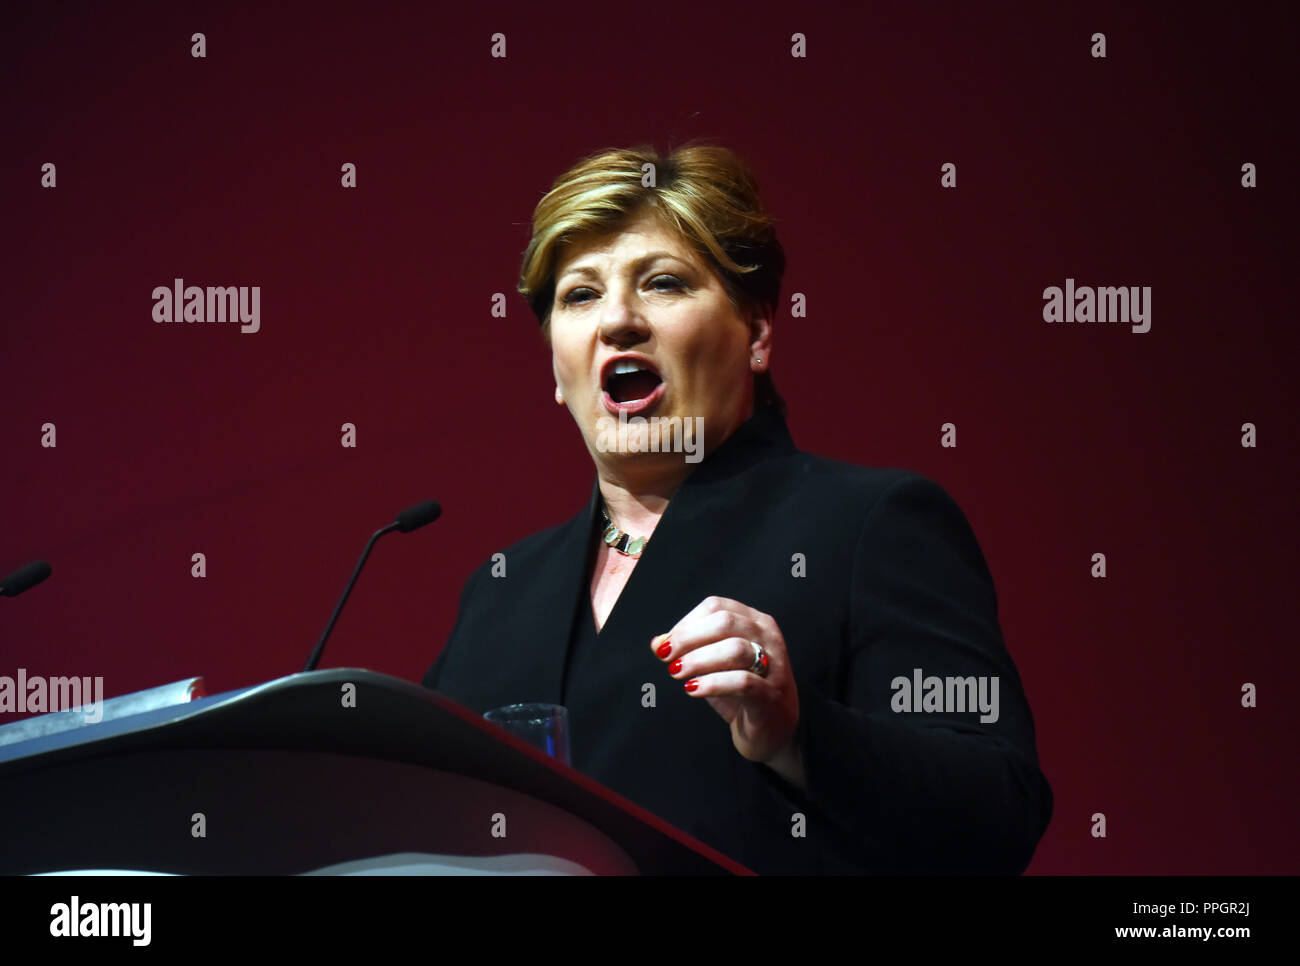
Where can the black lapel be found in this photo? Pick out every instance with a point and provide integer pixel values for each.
(685, 542)
(567, 583)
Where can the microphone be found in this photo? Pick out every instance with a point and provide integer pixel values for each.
(417, 516)
(24, 578)
(409, 519)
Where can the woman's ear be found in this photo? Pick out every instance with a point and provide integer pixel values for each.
(559, 395)
(760, 344)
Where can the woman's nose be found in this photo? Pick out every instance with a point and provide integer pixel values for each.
(621, 321)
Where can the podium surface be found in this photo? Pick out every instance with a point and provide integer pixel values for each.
(336, 771)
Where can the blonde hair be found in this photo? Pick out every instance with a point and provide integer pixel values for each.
(704, 193)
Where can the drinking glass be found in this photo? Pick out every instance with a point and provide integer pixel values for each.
(545, 726)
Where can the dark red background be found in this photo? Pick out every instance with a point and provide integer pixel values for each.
(924, 307)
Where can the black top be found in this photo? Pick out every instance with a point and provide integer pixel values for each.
(870, 574)
(619, 735)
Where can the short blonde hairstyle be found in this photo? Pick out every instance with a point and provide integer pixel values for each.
(704, 193)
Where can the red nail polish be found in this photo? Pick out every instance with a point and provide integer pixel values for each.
(675, 667)
(665, 648)
(692, 685)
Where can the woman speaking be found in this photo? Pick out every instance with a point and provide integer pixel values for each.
(796, 660)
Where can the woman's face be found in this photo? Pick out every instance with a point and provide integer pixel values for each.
(641, 299)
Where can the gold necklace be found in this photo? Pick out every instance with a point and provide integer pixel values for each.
(616, 539)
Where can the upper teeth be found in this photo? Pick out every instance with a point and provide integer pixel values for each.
(626, 366)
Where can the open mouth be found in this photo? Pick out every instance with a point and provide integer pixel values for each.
(631, 384)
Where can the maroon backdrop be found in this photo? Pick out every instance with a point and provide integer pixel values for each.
(924, 307)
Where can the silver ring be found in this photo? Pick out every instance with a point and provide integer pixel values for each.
(759, 666)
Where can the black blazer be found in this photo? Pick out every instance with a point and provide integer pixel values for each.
(870, 574)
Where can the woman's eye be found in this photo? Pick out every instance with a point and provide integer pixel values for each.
(660, 283)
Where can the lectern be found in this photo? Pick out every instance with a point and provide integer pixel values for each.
(342, 771)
